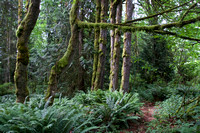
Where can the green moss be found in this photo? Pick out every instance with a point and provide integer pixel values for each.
(64, 61)
(23, 55)
(73, 11)
(19, 31)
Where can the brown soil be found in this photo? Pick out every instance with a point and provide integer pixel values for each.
(141, 126)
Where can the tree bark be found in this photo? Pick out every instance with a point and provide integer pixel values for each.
(102, 48)
(112, 31)
(127, 50)
(114, 69)
(20, 9)
(96, 44)
(81, 84)
(23, 33)
(64, 62)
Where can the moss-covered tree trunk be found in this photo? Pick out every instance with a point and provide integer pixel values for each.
(112, 31)
(96, 44)
(114, 69)
(102, 48)
(127, 50)
(23, 33)
(64, 62)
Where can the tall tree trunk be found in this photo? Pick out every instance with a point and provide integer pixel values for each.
(127, 50)
(112, 31)
(7, 73)
(102, 48)
(81, 84)
(64, 62)
(23, 33)
(114, 69)
(9, 52)
(96, 43)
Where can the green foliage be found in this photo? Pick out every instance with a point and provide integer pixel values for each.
(160, 91)
(34, 117)
(156, 58)
(179, 113)
(101, 111)
(112, 109)
(167, 108)
(6, 88)
(176, 127)
(154, 92)
(190, 72)
(8, 23)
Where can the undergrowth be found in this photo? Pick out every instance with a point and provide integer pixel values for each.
(6, 88)
(97, 111)
(180, 113)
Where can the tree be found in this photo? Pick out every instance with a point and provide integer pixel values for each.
(102, 48)
(23, 33)
(8, 22)
(96, 44)
(115, 47)
(125, 27)
(60, 65)
(127, 50)
(155, 53)
(159, 28)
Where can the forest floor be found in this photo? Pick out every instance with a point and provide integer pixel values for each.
(141, 126)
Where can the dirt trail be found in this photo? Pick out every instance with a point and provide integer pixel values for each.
(140, 127)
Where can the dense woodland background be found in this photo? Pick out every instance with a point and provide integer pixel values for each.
(162, 65)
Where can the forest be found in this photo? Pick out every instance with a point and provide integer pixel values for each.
(100, 66)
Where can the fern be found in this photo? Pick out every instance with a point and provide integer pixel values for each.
(93, 111)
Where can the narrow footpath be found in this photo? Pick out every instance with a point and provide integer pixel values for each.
(141, 126)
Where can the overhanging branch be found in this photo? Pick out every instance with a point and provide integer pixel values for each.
(154, 15)
(137, 28)
(176, 35)
(185, 14)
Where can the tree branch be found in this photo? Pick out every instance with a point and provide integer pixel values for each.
(137, 28)
(176, 35)
(185, 14)
(154, 15)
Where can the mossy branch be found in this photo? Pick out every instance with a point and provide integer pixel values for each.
(138, 28)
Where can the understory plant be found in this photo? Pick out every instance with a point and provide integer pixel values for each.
(97, 111)
(35, 117)
(179, 113)
(6, 88)
(113, 109)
